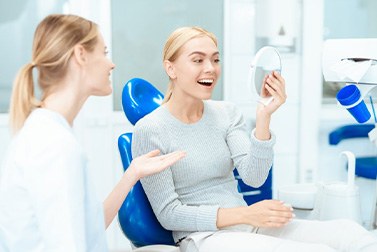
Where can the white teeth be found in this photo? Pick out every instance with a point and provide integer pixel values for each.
(206, 80)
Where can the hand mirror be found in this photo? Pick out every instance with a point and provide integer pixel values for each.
(266, 60)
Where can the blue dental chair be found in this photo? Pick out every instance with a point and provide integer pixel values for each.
(136, 217)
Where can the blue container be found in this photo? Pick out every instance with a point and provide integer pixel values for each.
(350, 95)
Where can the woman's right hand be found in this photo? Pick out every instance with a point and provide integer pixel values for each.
(266, 213)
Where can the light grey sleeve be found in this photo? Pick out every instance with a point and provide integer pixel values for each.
(160, 189)
(252, 158)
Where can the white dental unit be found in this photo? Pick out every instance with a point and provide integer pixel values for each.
(353, 61)
(350, 53)
(350, 61)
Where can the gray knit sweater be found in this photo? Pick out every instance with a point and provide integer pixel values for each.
(187, 196)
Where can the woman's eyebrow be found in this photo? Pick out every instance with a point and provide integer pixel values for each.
(203, 54)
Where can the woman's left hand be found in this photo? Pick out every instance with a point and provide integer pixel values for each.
(274, 85)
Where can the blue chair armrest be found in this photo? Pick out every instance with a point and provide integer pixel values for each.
(349, 131)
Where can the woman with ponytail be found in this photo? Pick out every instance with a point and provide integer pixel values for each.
(46, 198)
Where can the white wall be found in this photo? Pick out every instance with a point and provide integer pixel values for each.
(292, 123)
(311, 88)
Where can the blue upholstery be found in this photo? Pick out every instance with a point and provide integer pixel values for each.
(139, 98)
(349, 131)
(366, 167)
(252, 194)
(136, 217)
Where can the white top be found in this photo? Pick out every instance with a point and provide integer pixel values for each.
(46, 199)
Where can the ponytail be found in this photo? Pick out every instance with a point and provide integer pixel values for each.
(23, 100)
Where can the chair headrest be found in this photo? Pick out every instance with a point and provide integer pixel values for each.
(139, 98)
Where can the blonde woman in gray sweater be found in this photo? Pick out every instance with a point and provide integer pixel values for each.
(197, 198)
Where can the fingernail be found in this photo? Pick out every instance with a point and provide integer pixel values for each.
(288, 205)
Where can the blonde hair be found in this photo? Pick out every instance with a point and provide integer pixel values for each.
(54, 40)
(175, 42)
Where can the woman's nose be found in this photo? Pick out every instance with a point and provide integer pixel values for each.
(209, 66)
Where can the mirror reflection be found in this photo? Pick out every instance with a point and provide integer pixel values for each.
(265, 62)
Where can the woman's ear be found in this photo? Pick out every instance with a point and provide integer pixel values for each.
(169, 69)
(80, 55)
